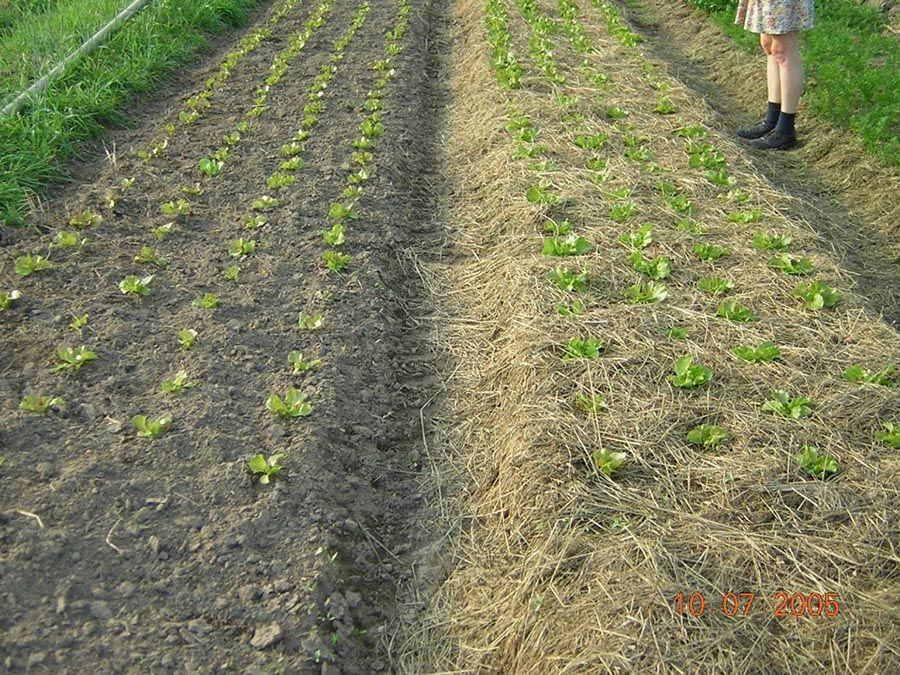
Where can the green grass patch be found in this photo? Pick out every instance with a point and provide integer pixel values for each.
(852, 66)
(36, 144)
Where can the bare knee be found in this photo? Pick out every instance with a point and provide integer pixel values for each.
(765, 42)
(783, 48)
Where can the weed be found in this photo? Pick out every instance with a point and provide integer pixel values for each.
(293, 405)
(149, 428)
(689, 375)
(781, 403)
(816, 465)
(265, 469)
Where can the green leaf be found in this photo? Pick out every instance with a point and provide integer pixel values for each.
(816, 295)
(781, 403)
(578, 348)
(816, 465)
(640, 238)
(707, 435)
(734, 311)
(796, 266)
(689, 375)
(766, 352)
(27, 265)
(187, 337)
(135, 285)
(608, 462)
(566, 280)
(889, 435)
(646, 292)
(715, 285)
(565, 246)
(884, 377)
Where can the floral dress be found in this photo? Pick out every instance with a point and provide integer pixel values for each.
(775, 17)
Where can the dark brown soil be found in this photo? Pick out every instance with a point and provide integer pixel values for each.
(163, 556)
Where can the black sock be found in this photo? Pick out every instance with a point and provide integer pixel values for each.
(772, 113)
(786, 124)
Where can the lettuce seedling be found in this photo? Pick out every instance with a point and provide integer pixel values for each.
(187, 337)
(231, 139)
(709, 252)
(163, 231)
(720, 177)
(265, 203)
(589, 405)
(313, 322)
(372, 127)
(265, 469)
(734, 311)
(781, 403)
(293, 405)
(558, 229)
(692, 131)
(715, 285)
(176, 209)
(73, 358)
(194, 190)
(67, 239)
(338, 212)
(565, 246)
(255, 222)
(620, 193)
(211, 167)
(578, 348)
(301, 365)
(336, 261)
(79, 322)
(27, 265)
(335, 236)
(241, 248)
(883, 377)
(796, 266)
(689, 375)
(293, 164)
(566, 280)
(658, 268)
(745, 217)
(639, 239)
(592, 141)
(177, 384)
(7, 299)
(575, 308)
(766, 352)
(207, 301)
(681, 204)
(816, 295)
(231, 273)
(646, 292)
(132, 284)
(361, 157)
(85, 219)
(616, 113)
(149, 256)
(621, 213)
(596, 164)
(39, 405)
(816, 465)
(280, 180)
(889, 435)
(665, 107)
(608, 462)
(707, 435)
(148, 428)
(689, 225)
(541, 194)
(677, 333)
(763, 241)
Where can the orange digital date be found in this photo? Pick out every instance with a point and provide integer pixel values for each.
(783, 604)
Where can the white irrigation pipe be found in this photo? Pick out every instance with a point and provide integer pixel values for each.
(90, 45)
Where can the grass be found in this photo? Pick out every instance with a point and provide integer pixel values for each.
(35, 144)
(12, 12)
(852, 67)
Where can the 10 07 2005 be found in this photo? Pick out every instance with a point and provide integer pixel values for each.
(782, 604)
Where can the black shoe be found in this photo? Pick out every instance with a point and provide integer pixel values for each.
(775, 140)
(758, 130)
